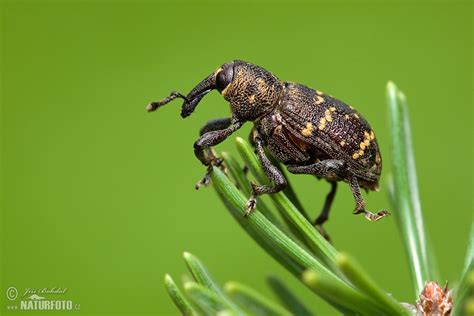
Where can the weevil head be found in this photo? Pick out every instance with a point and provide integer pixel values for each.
(251, 90)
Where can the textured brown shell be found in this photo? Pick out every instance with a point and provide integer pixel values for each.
(328, 125)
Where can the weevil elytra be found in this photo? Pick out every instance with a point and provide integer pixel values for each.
(307, 130)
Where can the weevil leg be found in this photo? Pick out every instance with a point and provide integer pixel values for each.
(324, 215)
(271, 171)
(210, 126)
(251, 140)
(211, 138)
(329, 169)
(252, 136)
(360, 203)
(173, 95)
(215, 125)
(332, 169)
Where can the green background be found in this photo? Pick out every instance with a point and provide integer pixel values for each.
(98, 195)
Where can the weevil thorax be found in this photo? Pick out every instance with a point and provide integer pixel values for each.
(252, 92)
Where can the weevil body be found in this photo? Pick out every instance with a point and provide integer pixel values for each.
(308, 131)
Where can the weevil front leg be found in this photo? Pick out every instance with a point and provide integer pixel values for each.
(271, 171)
(213, 133)
(215, 125)
(210, 126)
(360, 203)
(209, 138)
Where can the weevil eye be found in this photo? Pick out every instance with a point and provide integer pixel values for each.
(224, 77)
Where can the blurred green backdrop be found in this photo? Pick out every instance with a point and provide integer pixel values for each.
(98, 196)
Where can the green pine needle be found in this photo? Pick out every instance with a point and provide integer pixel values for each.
(361, 280)
(289, 300)
(203, 277)
(253, 301)
(262, 225)
(208, 301)
(178, 298)
(277, 253)
(464, 299)
(279, 240)
(345, 297)
(407, 207)
(317, 243)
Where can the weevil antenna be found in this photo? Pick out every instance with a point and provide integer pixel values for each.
(173, 95)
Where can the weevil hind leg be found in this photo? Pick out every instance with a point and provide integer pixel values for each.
(360, 203)
(324, 215)
(329, 169)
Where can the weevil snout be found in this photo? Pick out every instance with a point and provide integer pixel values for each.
(197, 93)
(251, 91)
(218, 80)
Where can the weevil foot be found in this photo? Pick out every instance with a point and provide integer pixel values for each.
(207, 177)
(373, 217)
(217, 162)
(251, 204)
(205, 180)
